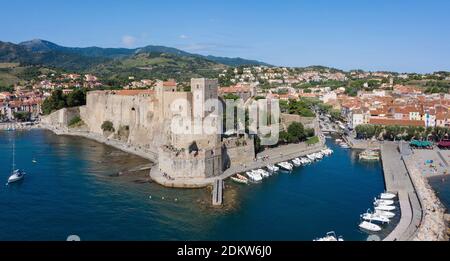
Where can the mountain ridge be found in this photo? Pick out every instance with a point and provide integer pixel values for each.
(44, 46)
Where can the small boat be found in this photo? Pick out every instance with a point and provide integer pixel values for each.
(384, 202)
(384, 213)
(305, 161)
(262, 172)
(272, 168)
(374, 217)
(369, 226)
(34, 161)
(369, 155)
(338, 140)
(297, 162)
(17, 175)
(331, 237)
(240, 179)
(327, 152)
(317, 155)
(255, 177)
(384, 208)
(387, 196)
(286, 166)
(311, 157)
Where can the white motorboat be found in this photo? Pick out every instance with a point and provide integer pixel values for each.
(387, 196)
(319, 155)
(311, 157)
(338, 140)
(306, 161)
(384, 213)
(327, 152)
(273, 168)
(331, 237)
(262, 172)
(297, 162)
(285, 165)
(374, 217)
(240, 179)
(385, 202)
(255, 177)
(385, 208)
(369, 226)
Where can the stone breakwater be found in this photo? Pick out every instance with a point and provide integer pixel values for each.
(433, 226)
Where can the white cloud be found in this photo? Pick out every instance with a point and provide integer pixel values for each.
(128, 40)
(183, 36)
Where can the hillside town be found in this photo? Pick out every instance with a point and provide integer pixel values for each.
(375, 98)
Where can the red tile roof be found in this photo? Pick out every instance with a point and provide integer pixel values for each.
(133, 92)
(391, 122)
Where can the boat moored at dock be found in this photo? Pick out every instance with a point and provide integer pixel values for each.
(373, 217)
(297, 162)
(387, 196)
(385, 208)
(254, 177)
(286, 166)
(369, 226)
(384, 213)
(383, 202)
(239, 179)
(330, 237)
(272, 168)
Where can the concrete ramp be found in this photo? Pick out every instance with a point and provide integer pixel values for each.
(217, 192)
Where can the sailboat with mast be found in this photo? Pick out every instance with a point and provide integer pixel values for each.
(16, 174)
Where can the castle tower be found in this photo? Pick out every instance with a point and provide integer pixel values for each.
(161, 88)
(203, 90)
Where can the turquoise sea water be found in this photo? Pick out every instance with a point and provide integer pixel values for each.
(442, 187)
(73, 189)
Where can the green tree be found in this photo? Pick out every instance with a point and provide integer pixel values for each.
(296, 132)
(108, 126)
(22, 116)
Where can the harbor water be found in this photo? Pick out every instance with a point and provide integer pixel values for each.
(75, 186)
(441, 186)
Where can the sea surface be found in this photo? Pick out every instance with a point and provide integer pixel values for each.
(80, 187)
(441, 186)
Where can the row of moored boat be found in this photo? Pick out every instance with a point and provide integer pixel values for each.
(259, 174)
(373, 221)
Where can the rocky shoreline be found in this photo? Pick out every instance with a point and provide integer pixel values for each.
(138, 151)
(433, 226)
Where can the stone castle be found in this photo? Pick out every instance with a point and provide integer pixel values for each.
(147, 118)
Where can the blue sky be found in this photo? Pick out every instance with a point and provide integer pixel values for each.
(397, 35)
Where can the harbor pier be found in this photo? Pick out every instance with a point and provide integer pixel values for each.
(217, 192)
(397, 180)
